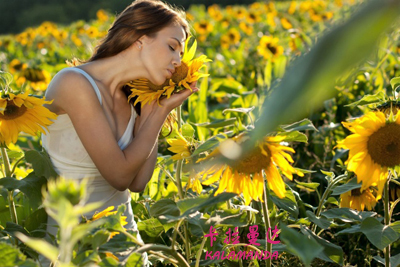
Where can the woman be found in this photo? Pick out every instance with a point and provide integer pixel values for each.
(98, 134)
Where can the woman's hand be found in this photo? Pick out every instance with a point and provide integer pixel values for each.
(167, 105)
(177, 99)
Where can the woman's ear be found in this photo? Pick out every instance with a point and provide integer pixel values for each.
(139, 44)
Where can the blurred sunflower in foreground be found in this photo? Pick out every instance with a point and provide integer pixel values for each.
(22, 113)
(185, 74)
(374, 148)
(245, 176)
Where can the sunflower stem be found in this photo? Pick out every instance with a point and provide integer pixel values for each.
(7, 169)
(180, 188)
(325, 196)
(387, 219)
(268, 245)
(199, 252)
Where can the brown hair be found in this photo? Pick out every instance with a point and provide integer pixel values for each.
(142, 17)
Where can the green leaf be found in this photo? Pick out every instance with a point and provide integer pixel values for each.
(241, 110)
(280, 66)
(302, 125)
(330, 175)
(294, 137)
(164, 207)
(347, 215)
(41, 246)
(320, 221)
(36, 221)
(311, 187)
(41, 163)
(211, 143)
(395, 83)
(108, 262)
(100, 237)
(352, 184)
(352, 230)
(194, 205)
(197, 225)
(331, 252)
(134, 260)
(228, 218)
(268, 74)
(227, 85)
(394, 260)
(10, 257)
(379, 235)
(12, 228)
(31, 186)
(287, 203)
(217, 123)
(152, 227)
(300, 245)
(369, 99)
(187, 130)
(5, 79)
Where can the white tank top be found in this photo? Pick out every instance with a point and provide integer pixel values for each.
(71, 160)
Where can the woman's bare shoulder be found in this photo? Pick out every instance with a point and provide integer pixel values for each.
(69, 89)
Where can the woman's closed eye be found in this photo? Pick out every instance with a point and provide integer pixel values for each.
(170, 47)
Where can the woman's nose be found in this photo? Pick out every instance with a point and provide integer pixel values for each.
(177, 62)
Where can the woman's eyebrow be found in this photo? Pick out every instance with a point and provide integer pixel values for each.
(176, 39)
(179, 43)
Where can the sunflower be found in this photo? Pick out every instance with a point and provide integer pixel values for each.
(92, 32)
(203, 27)
(107, 212)
(292, 8)
(180, 146)
(23, 113)
(374, 147)
(247, 29)
(233, 36)
(185, 74)
(17, 65)
(246, 175)
(253, 17)
(101, 15)
(357, 200)
(215, 12)
(46, 28)
(269, 48)
(38, 78)
(286, 24)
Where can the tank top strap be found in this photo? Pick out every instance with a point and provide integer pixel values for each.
(90, 79)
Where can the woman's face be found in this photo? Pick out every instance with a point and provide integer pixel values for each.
(162, 53)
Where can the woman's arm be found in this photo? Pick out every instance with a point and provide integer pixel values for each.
(73, 94)
(145, 173)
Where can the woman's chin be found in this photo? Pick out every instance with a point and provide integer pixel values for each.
(159, 82)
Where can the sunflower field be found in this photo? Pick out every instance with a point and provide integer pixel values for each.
(288, 155)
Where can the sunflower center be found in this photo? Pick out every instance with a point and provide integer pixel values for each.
(203, 26)
(356, 192)
(254, 162)
(155, 88)
(180, 73)
(271, 48)
(384, 145)
(12, 111)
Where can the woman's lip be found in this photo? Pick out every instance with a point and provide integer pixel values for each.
(170, 73)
